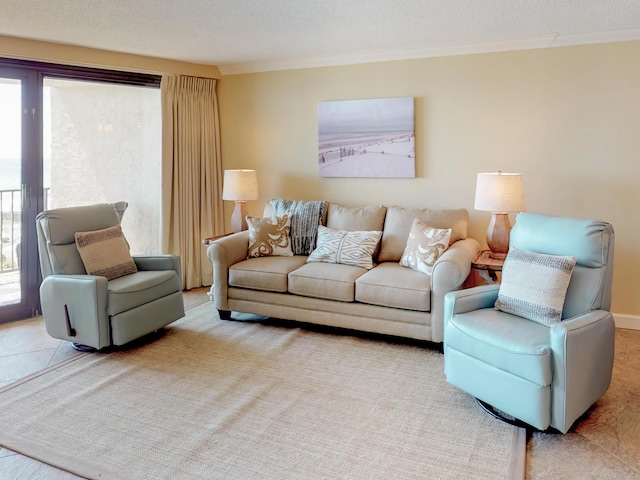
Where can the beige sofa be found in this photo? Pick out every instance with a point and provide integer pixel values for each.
(388, 299)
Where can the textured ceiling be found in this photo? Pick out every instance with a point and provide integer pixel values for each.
(246, 35)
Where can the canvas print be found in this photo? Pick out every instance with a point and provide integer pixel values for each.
(366, 138)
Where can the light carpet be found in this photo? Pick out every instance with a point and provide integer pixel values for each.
(212, 399)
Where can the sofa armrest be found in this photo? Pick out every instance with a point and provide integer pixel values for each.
(158, 262)
(85, 298)
(582, 353)
(223, 253)
(449, 273)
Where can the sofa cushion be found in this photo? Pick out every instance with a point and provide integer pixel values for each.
(264, 273)
(424, 246)
(534, 285)
(105, 253)
(397, 226)
(353, 219)
(347, 248)
(269, 236)
(392, 285)
(325, 280)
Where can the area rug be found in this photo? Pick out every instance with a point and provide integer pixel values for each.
(213, 399)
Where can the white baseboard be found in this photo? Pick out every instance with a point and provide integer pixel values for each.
(632, 322)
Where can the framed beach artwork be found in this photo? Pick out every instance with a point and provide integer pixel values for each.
(367, 138)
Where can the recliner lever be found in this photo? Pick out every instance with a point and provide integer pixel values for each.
(71, 332)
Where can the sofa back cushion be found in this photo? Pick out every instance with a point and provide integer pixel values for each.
(369, 218)
(399, 220)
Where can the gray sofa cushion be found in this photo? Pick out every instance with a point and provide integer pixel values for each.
(392, 285)
(397, 226)
(330, 281)
(264, 273)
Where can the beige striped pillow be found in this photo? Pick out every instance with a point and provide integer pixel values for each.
(105, 253)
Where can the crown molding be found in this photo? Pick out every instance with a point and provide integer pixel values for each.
(528, 43)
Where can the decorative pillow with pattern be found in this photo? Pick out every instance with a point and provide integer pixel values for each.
(105, 253)
(269, 236)
(424, 246)
(347, 248)
(305, 218)
(534, 285)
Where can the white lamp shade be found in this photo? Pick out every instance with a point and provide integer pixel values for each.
(240, 185)
(499, 192)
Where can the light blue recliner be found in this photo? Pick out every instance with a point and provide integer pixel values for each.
(89, 310)
(543, 376)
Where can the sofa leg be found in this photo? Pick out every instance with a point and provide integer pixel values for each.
(224, 314)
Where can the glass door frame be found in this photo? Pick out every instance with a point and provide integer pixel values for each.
(31, 200)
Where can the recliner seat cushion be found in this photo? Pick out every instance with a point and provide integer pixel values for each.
(265, 273)
(510, 343)
(130, 291)
(392, 285)
(325, 280)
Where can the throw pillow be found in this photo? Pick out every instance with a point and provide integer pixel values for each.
(105, 253)
(305, 218)
(269, 236)
(347, 248)
(424, 246)
(534, 285)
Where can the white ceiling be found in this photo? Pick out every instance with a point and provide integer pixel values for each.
(256, 35)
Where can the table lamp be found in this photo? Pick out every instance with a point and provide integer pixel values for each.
(240, 186)
(499, 193)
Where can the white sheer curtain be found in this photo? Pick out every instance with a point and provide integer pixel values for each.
(192, 173)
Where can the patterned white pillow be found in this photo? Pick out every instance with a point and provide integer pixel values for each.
(534, 285)
(424, 246)
(269, 236)
(348, 248)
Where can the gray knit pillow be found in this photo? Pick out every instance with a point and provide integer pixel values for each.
(534, 285)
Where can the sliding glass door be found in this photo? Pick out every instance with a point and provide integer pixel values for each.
(18, 265)
(73, 136)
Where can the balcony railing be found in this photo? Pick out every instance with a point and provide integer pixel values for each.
(10, 230)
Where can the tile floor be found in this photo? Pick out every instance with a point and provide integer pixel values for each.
(604, 445)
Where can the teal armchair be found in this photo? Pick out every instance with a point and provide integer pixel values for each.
(543, 376)
(89, 310)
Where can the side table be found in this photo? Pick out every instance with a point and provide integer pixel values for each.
(487, 267)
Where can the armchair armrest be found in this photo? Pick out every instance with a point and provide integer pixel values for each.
(449, 273)
(85, 297)
(476, 298)
(158, 262)
(223, 253)
(582, 353)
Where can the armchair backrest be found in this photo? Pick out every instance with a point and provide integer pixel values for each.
(56, 230)
(590, 241)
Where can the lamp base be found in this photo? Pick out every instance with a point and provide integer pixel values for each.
(498, 235)
(239, 217)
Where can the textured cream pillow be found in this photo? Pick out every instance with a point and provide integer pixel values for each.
(269, 236)
(534, 285)
(105, 253)
(424, 246)
(347, 248)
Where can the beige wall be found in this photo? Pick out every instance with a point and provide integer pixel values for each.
(566, 118)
